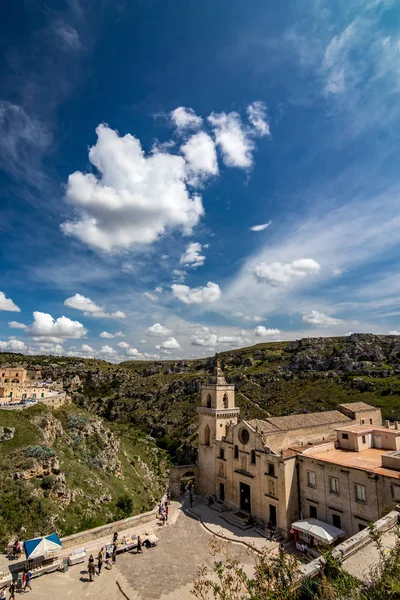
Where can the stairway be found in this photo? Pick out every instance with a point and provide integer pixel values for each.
(236, 520)
(219, 506)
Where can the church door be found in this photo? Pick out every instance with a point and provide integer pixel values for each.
(245, 501)
(222, 492)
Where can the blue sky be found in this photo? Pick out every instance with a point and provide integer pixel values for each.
(181, 178)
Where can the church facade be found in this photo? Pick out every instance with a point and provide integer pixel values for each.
(262, 467)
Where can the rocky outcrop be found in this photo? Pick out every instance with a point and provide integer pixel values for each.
(6, 433)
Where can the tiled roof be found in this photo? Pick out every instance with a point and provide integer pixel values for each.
(275, 424)
(357, 406)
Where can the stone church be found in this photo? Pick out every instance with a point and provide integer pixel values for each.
(259, 467)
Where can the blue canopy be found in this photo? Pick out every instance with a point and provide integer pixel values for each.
(42, 546)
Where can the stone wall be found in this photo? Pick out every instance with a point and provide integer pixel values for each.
(107, 530)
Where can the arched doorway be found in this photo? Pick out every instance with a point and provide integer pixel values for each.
(182, 478)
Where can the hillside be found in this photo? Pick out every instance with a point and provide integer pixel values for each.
(130, 413)
(67, 470)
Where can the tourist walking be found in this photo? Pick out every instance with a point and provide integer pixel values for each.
(115, 537)
(91, 567)
(12, 591)
(166, 512)
(100, 561)
(139, 545)
(3, 595)
(27, 580)
(163, 516)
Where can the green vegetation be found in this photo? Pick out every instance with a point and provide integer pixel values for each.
(66, 470)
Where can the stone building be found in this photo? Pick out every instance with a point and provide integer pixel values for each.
(282, 468)
(17, 384)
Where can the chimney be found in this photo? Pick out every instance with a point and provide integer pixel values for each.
(387, 424)
(396, 424)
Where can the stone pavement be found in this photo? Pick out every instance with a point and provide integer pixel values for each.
(215, 524)
(165, 572)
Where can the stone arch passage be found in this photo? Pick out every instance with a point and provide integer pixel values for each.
(179, 474)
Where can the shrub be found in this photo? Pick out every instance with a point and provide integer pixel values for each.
(124, 504)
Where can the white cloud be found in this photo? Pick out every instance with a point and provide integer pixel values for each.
(201, 295)
(134, 199)
(108, 335)
(47, 348)
(158, 289)
(16, 325)
(8, 304)
(233, 140)
(13, 346)
(192, 257)
(179, 276)
(185, 118)
(149, 296)
(169, 344)
(314, 317)
(250, 318)
(260, 227)
(261, 331)
(257, 115)
(158, 330)
(90, 308)
(277, 273)
(44, 326)
(108, 351)
(86, 348)
(204, 337)
(201, 157)
(123, 345)
(394, 332)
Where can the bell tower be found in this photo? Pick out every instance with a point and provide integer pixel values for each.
(216, 412)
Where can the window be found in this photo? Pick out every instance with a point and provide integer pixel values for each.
(363, 439)
(244, 436)
(362, 421)
(209, 401)
(345, 436)
(271, 469)
(361, 527)
(207, 435)
(334, 485)
(253, 457)
(336, 521)
(360, 493)
(221, 453)
(396, 492)
(236, 452)
(370, 421)
(311, 479)
(225, 400)
(313, 512)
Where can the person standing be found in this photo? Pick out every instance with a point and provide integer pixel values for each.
(114, 553)
(99, 561)
(166, 512)
(12, 591)
(28, 577)
(139, 545)
(91, 567)
(115, 537)
(3, 595)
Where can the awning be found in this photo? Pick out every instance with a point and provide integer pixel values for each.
(318, 529)
(42, 546)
